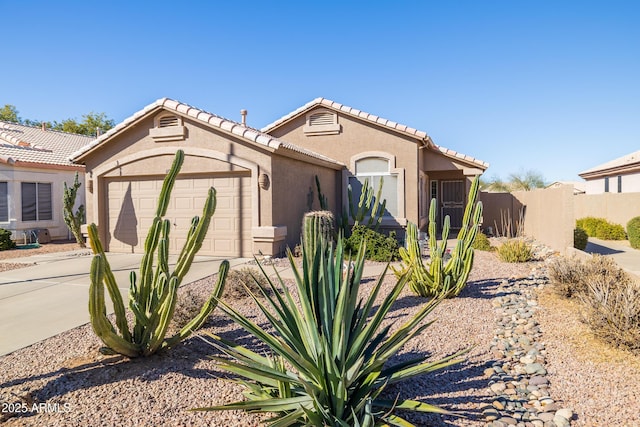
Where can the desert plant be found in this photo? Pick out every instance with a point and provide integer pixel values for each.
(482, 243)
(331, 357)
(379, 246)
(318, 223)
(152, 299)
(590, 224)
(74, 220)
(601, 228)
(633, 231)
(580, 238)
(442, 276)
(243, 282)
(570, 276)
(369, 208)
(322, 199)
(5, 240)
(515, 250)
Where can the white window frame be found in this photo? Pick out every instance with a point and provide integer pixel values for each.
(400, 217)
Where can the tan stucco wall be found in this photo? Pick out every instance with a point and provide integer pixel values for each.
(357, 137)
(617, 208)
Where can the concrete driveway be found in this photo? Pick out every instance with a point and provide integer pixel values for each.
(41, 301)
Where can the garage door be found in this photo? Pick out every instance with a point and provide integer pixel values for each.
(132, 206)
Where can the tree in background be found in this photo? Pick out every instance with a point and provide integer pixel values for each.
(522, 181)
(93, 124)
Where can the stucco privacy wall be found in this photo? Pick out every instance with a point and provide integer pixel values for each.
(617, 208)
(548, 213)
(14, 176)
(356, 139)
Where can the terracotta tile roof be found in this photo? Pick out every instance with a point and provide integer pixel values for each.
(403, 129)
(251, 135)
(27, 144)
(628, 161)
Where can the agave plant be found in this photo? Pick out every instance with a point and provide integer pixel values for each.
(331, 355)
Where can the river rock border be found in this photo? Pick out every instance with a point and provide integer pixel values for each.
(518, 378)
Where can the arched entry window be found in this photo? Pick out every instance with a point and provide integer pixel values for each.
(372, 167)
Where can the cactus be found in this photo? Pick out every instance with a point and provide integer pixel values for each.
(152, 295)
(73, 220)
(368, 206)
(442, 276)
(322, 199)
(317, 225)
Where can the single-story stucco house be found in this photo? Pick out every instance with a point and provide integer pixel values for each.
(34, 165)
(621, 175)
(265, 179)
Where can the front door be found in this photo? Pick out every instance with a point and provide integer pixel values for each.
(453, 195)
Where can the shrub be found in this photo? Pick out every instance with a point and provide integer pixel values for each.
(612, 310)
(515, 250)
(5, 240)
(570, 276)
(243, 282)
(601, 228)
(580, 238)
(482, 243)
(633, 231)
(331, 355)
(379, 247)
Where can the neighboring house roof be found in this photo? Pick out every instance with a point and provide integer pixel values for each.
(391, 125)
(579, 187)
(624, 164)
(250, 135)
(36, 147)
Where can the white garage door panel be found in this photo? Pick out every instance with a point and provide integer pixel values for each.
(132, 206)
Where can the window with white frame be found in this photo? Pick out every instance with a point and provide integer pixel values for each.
(4, 202)
(372, 169)
(36, 201)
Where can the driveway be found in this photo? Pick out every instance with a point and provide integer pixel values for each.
(620, 250)
(51, 297)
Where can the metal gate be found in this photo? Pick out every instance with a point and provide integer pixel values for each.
(453, 195)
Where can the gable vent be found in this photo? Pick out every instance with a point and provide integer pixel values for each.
(319, 119)
(168, 121)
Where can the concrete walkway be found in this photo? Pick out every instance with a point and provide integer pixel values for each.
(620, 250)
(51, 297)
(40, 301)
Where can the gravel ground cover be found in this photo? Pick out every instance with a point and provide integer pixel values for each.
(64, 381)
(62, 246)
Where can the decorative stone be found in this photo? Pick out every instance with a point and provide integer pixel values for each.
(565, 413)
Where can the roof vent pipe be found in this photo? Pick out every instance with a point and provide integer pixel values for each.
(243, 113)
(44, 127)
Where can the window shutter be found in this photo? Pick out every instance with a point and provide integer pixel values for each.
(28, 190)
(4, 202)
(45, 211)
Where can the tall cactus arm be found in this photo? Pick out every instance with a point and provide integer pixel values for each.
(164, 314)
(167, 185)
(206, 310)
(98, 313)
(110, 282)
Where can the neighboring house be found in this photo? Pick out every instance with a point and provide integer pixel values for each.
(265, 180)
(34, 164)
(578, 187)
(621, 175)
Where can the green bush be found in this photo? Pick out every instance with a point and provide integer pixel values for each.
(379, 247)
(601, 228)
(633, 231)
(482, 242)
(5, 240)
(515, 250)
(580, 238)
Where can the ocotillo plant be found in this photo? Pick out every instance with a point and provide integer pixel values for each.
(73, 220)
(153, 298)
(442, 276)
(368, 206)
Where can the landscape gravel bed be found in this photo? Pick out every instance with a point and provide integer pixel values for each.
(64, 381)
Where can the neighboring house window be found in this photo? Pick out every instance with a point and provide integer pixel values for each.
(374, 168)
(4, 202)
(619, 183)
(36, 201)
(606, 184)
(323, 122)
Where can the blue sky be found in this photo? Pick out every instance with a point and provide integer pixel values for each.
(550, 86)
